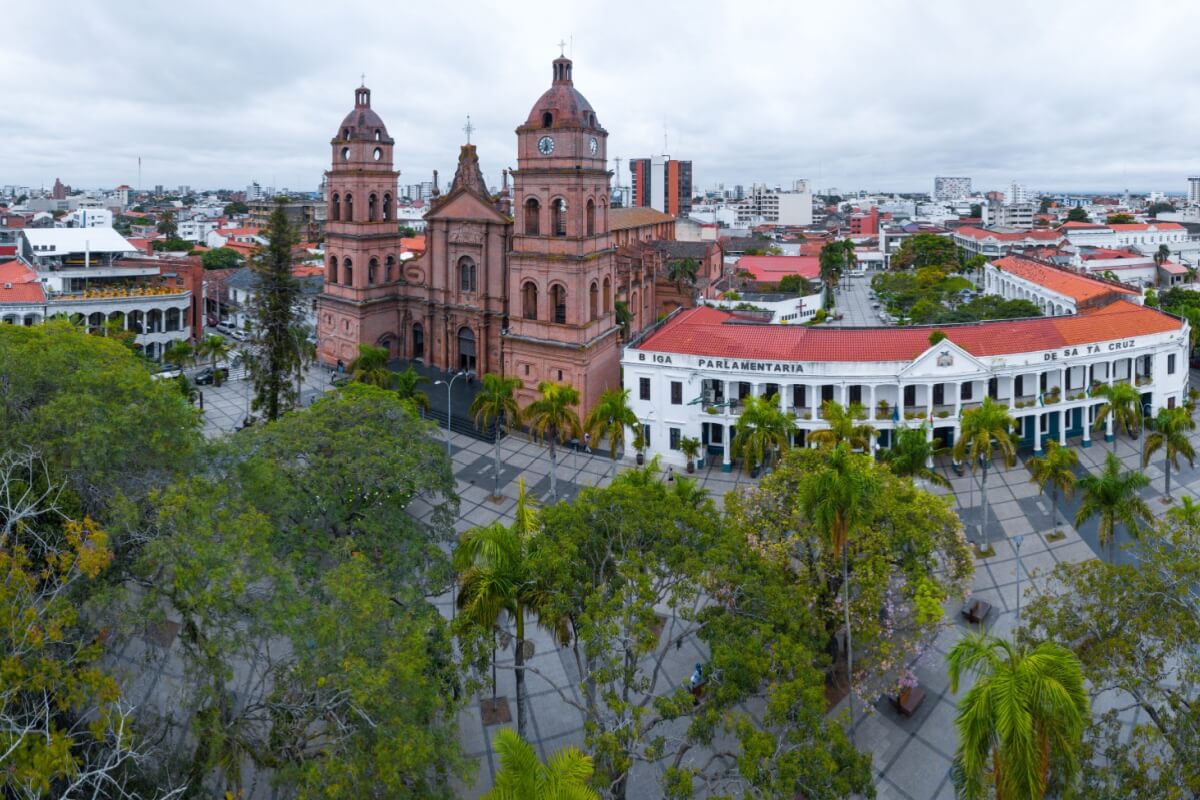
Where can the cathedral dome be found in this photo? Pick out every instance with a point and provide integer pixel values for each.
(562, 106)
(362, 122)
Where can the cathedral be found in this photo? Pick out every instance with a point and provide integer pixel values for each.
(527, 283)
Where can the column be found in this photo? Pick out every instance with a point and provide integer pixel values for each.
(929, 400)
(1108, 429)
(958, 398)
(727, 458)
(1085, 413)
(1062, 426)
(1037, 434)
(899, 403)
(871, 401)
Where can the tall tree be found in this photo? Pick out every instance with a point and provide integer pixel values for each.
(179, 353)
(167, 226)
(985, 431)
(1025, 714)
(911, 455)
(1170, 434)
(522, 776)
(495, 578)
(1113, 497)
(926, 250)
(837, 499)
(496, 407)
(1077, 214)
(406, 384)
(609, 419)
(1162, 254)
(552, 419)
(844, 425)
(276, 308)
(683, 272)
(1122, 403)
(1056, 470)
(763, 430)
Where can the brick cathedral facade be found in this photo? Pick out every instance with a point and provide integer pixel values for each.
(524, 284)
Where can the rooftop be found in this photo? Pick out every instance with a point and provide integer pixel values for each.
(1079, 288)
(772, 268)
(19, 284)
(620, 219)
(59, 241)
(707, 331)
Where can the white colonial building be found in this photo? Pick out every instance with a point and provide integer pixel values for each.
(690, 375)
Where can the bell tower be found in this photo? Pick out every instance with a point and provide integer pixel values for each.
(562, 324)
(362, 238)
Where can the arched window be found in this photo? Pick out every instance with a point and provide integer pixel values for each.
(348, 272)
(547, 119)
(387, 206)
(594, 300)
(389, 269)
(378, 135)
(371, 209)
(335, 209)
(529, 300)
(349, 207)
(558, 298)
(345, 133)
(591, 218)
(558, 211)
(331, 275)
(372, 270)
(533, 217)
(607, 296)
(466, 274)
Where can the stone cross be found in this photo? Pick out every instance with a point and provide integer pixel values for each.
(468, 128)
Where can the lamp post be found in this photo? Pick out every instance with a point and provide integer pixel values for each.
(449, 384)
(1142, 431)
(1017, 541)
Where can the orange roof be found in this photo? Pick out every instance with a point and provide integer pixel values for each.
(707, 331)
(1007, 236)
(307, 270)
(772, 268)
(19, 284)
(414, 243)
(1074, 224)
(238, 232)
(1146, 226)
(1078, 287)
(623, 218)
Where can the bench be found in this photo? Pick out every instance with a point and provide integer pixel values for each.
(909, 700)
(976, 611)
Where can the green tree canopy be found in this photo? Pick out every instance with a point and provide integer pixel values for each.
(926, 250)
(221, 258)
(235, 207)
(1078, 215)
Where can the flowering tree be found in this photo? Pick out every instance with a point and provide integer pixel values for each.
(906, 556)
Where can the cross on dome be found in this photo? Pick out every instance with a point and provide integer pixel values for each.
(562, 47)
(468, 128)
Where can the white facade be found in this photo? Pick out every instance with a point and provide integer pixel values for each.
(1194, 190)
(1049, 392)
(951, 189)
(89, 218)
(774, 207)
(785, 309)
(196, 229)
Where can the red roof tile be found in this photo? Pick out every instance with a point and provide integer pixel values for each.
(707, 331)
(772, 268)
(1146, 226)
(1078, 287)
(19, 284)
(979, 234)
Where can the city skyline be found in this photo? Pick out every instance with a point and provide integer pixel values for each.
(218, 105)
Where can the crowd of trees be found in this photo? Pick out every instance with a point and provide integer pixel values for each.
(932, 295)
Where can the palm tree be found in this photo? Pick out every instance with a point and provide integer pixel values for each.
(496, 404)
(609, 419)
(215, 348)
(1113, 497)
(1162, 254)
(845, 425)
(837, 500)
(682, 271)
(911, 454)
(985, 430)
(406, 383)
(521, 776)
(552, 419)
(1170, 433)
(762, 429)
(371, 367)
(1187, 513)
(1123, 404)
(494, 577)
(1056, 469)
(179, 353)
(1026, 713)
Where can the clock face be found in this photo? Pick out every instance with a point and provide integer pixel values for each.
(593, 145)
(546, 145)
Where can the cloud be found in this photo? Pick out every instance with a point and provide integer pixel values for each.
(884, 95)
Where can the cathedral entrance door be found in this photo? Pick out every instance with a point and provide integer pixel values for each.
(418, 343)
(466, 349)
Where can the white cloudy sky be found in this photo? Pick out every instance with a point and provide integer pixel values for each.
(876, 95)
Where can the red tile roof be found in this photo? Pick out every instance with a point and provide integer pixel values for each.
(707, 331)
(19, 284)
(772, 268)
(1078, 287)
(1146, 226)
(1074, 224)
(412, 243)
(1042, 234)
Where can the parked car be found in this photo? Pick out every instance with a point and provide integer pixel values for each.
(167, 374)
(208, 376)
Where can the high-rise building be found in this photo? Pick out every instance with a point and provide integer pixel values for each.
(1194, 190)
(662, 183)
(951, 188)
(777, 207)
(1016, 193)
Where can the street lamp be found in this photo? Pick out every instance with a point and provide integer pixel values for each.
(448, 384)
(1017, 541)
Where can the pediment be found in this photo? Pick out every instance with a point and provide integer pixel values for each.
(463, 204)
(944, 360)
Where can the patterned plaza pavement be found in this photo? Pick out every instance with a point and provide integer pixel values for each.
(912, 755)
